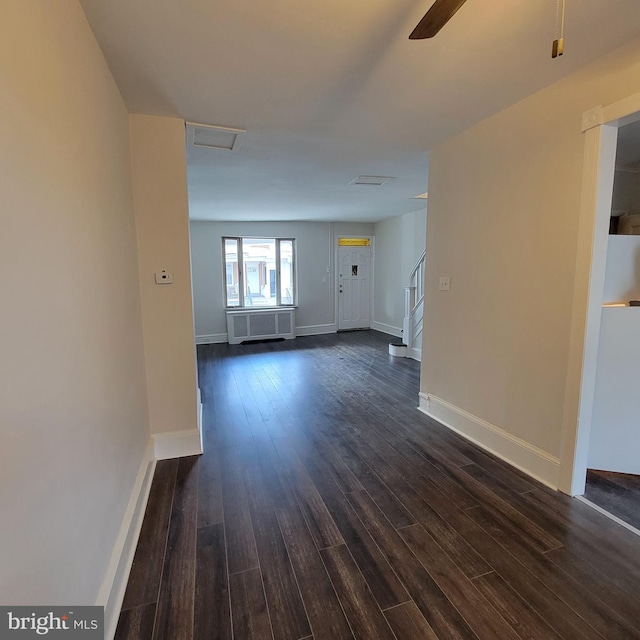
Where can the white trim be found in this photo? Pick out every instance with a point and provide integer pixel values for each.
(623, 110)
(211, 338)
(316, 329)
(115, 581)
(592, 118)
(517, 452)
(177, 444)
(604, 512)
(387, 328)
(415, 353)
(199, 404)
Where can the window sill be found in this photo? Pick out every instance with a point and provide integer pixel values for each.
(245, 310)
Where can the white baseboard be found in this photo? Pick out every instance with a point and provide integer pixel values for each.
(415, 354)
(114, 584)
(177, 444)
(316, 329)
(212, 338)
(387, 328)
(521, 454)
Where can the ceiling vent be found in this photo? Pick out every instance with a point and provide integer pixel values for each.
(372, 181)
(213, 137)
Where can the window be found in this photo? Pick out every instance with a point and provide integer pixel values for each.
(259, 272)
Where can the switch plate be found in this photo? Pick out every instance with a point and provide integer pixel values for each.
(164, 277)
(444, 283)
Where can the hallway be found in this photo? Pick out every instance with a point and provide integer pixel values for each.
(327, 507)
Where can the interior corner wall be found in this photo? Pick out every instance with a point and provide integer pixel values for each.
(73, 412)
(504, 202)
(158, 159)
(400, 242)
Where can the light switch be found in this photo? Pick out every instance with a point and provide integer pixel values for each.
(164, 277)
(444, 283)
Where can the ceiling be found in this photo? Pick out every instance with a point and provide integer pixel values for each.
(329, 90)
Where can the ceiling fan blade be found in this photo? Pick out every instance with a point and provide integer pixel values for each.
(440, 13)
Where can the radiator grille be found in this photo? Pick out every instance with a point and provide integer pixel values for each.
(240, 326)
(284, 323)
(263, 324)
(259, 324)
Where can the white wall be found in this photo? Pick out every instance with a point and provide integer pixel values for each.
(162, 223)
(315, 246)
(73, 410)
(614, 442)
(622, 277)
(504, 201)
(400, 241)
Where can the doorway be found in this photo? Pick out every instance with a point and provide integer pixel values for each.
(600, 127)
(354, 283)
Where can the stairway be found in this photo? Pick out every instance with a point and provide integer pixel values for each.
(413, 310)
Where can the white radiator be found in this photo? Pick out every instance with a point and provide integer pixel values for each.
(260, 324)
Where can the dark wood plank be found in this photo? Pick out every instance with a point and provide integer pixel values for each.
(241, 549)
(387, 589)
(288, 616)
(561, 617)
(364, 615)
(527, 623)
(212, 612)
(475, 608)
(383, 496)
(601, 584)
(441, 615)
(321, 524)
(248, 606)
(210, 509)
(510, 476)
(323, 608)
(610, 493)
(594, 538)
(463, 555)
(504, 512)
(586, 605)
(626, 480)
(408, 623)
(146, 570)
(136, 623)
(174, 618)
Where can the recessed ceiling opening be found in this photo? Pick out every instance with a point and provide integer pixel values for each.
(374, 181)
(213, 137)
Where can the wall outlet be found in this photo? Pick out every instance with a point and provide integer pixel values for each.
(164, 277)
(444, 283)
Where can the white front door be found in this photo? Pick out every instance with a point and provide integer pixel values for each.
(354, 270)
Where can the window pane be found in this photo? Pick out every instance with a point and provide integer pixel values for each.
(259, 259)
(286, 272)
(231, 272)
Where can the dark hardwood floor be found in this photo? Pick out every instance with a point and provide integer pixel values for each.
(327, 507)
(617, 493)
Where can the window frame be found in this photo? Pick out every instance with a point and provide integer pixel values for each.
(278, 271)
